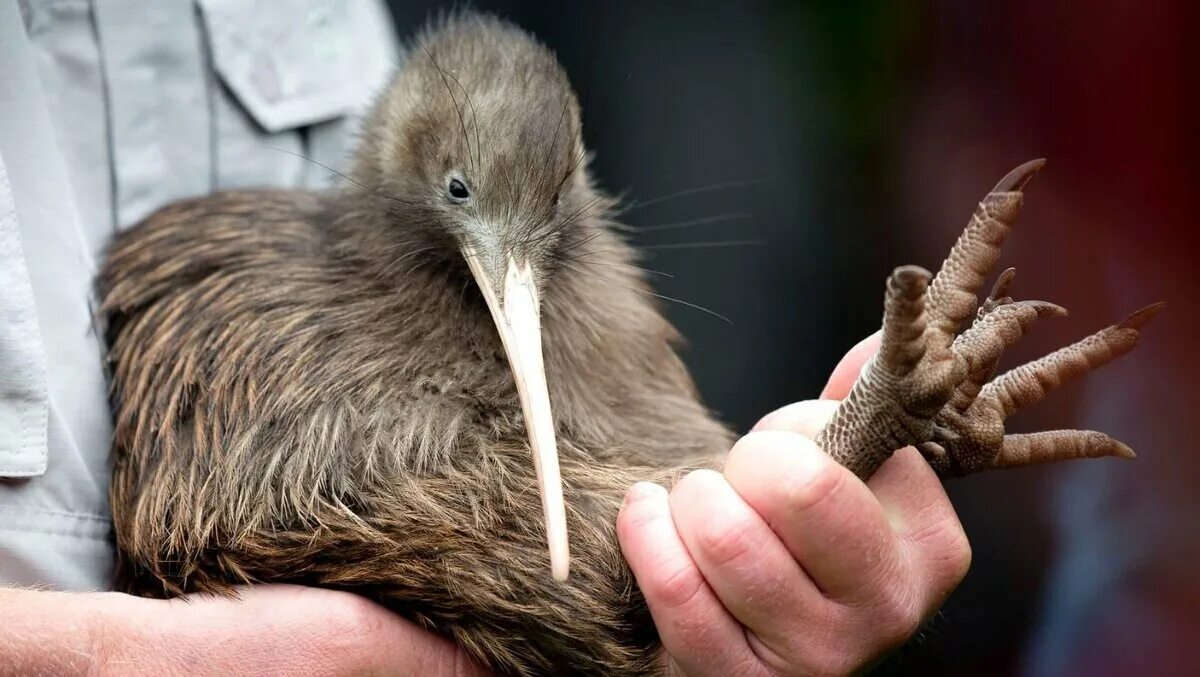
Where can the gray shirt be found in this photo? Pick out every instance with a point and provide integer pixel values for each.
(108, 110)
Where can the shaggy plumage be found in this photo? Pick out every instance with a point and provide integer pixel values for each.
(308, 387)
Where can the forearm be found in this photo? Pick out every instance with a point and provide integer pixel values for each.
(278, 629)
(58, 633)
(64, 633)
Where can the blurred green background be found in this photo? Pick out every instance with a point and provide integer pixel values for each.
(818, 145)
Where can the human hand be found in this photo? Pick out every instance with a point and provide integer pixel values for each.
(786, 563)
(267, 630)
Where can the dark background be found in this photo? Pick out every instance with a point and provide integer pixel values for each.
(827, 143)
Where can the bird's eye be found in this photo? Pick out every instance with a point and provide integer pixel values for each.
(457, 190)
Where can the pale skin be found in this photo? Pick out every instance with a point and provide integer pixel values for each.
(269, 630)
(785, 563)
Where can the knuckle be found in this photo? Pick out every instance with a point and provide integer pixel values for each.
(724, 542)
(810, 492)
(675, 588)
(946, 551)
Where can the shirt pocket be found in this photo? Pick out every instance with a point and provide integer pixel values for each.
(290, 63)
(24, 401)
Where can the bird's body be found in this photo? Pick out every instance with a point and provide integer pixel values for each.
(311, 387)
(317, 420)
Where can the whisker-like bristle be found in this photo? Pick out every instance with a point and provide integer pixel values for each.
(634, 206)
(647, 292)
(705, 245)
(691, 223)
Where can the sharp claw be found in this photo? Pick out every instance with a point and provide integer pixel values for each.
(1122, 450)
(1018, 451)
(1015, 180)
(921, 319)
(944, 434)
(911, 277)
(1109, 446)
(1047, 309)
(1000, 289)
(1139, 318)
(903, 343)
(937, 458)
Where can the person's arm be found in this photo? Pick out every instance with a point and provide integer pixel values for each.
(269, 629)
(786, 563)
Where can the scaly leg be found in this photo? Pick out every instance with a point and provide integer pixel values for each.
(931, 387)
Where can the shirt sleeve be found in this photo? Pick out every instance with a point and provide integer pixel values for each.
(22, 362)
(54, 423)
(109, 110)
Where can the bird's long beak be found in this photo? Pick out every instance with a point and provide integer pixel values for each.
(518, 319)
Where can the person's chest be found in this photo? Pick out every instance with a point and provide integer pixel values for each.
(111, 109)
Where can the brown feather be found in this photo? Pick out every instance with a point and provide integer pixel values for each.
(308, 386)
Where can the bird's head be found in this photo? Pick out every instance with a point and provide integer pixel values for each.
(477, 143)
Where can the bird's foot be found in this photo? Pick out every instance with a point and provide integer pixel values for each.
(932, 387)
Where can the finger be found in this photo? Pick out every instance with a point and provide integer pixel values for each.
(827, 518)
(914, 502)
(695, 629)
(846, 371)
(920, 513)
(744, 562)
(806, 418)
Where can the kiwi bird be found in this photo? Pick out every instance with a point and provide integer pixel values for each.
(434, 385)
